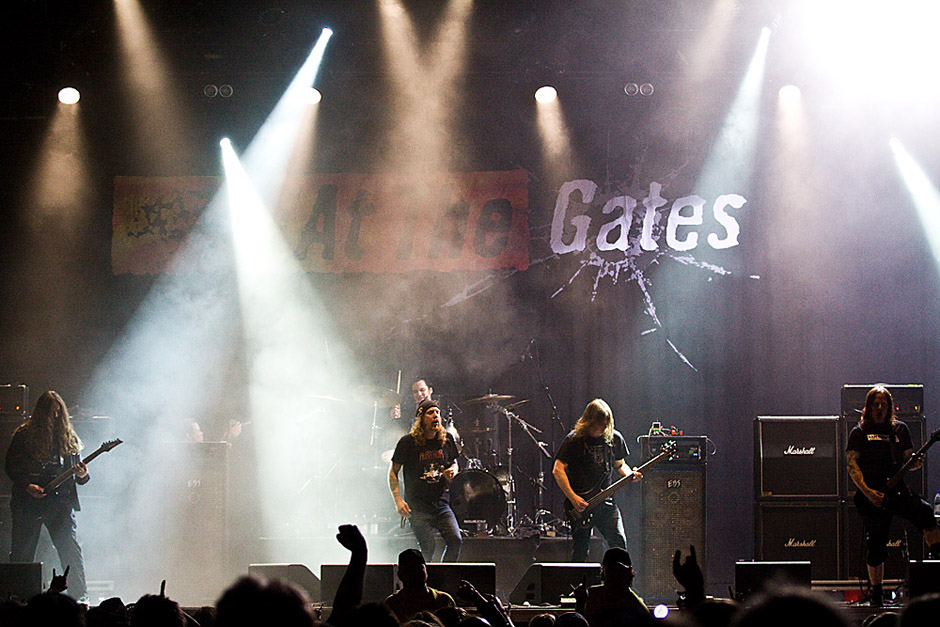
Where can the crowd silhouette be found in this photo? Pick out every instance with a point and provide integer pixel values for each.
(251, 602)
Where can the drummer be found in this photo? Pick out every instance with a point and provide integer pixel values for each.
(420, 390)
(428, 455)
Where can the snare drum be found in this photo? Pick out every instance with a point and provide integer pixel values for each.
(477, 498)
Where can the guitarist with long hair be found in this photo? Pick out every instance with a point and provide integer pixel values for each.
(40, 450)
(584, 464)
(879, 445)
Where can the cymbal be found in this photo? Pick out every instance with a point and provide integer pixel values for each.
(382, 397)
(323, 397)
(517, 404)
(490, 398)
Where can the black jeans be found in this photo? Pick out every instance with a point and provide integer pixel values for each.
(877, 521)
(607, 520)
(59, 519)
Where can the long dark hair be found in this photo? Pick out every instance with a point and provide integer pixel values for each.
(870, 402)
(49, 429)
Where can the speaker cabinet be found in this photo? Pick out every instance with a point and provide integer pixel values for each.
(379, 581)
(446, 577)
(800, 532)
(753, 577)
(908, 399)
(297, 575)
(20, 581)
(197, 535)
(904, 542)
(546, 584)
(797, 457)
(673, 506)
(925, 578)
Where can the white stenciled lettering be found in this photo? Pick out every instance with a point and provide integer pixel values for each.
(581, 191)
(800, 450)
(677, 219)
(727, 221)
(793, 543)
(626, 204)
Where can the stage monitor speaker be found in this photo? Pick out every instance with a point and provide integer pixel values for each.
(447, 577)
(800, 532)
(925, 578)
(908, 399)
(379, 581)
(673, 515)
(295, 574)
(797, 457)
(20, 581)
(752, 577)
(905, 542)
(546, 584)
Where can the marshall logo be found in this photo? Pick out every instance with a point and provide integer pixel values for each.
(793, 543)
(800, 450)
(894, 544)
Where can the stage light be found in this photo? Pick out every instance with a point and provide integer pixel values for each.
(646, 89)
(661, 611)
(924, 194)
(545, 94)
(789, 94)
(226, 91)
(69, 95)
(314, 96)
(631, 89)
(225, 142)
(210, 91)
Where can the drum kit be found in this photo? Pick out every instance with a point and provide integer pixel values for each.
(483, 493)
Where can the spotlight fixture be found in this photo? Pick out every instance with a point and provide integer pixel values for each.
(314, 96)
(69, 95)
(634, 89)
(226, 91)
(789, 93)
(210, 91)
(546, 93)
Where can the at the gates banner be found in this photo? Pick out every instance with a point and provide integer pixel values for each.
(343, 222)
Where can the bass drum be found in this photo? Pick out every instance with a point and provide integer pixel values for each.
(477, 499)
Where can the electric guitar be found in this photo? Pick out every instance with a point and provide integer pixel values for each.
(67, 474)
(595, 496)
(891, 487)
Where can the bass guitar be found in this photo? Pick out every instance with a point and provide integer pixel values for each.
(67, 474)
(595, 496)
(891, 489)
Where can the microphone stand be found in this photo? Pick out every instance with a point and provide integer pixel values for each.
(537, 362)
(510, 417)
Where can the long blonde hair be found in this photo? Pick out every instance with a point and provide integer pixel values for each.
(417, 430)
(49, 431)
(596, 413)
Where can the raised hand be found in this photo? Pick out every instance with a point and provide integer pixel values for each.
(689, 575)
(59, 583)
(351, 538)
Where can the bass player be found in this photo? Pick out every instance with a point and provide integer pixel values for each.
(584, 464)
(878, 446)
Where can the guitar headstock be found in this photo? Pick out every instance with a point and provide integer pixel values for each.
(669, 447)
(935, 436)
(110, 444)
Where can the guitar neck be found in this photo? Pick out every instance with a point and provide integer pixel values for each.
(623, 481)
(65, 476)
(893, 481)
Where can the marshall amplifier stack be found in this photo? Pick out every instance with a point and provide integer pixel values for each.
(803, 494)
(798, 477)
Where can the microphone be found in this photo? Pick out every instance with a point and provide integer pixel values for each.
(528, 350)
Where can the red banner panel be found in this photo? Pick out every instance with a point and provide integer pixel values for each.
(344, 222)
